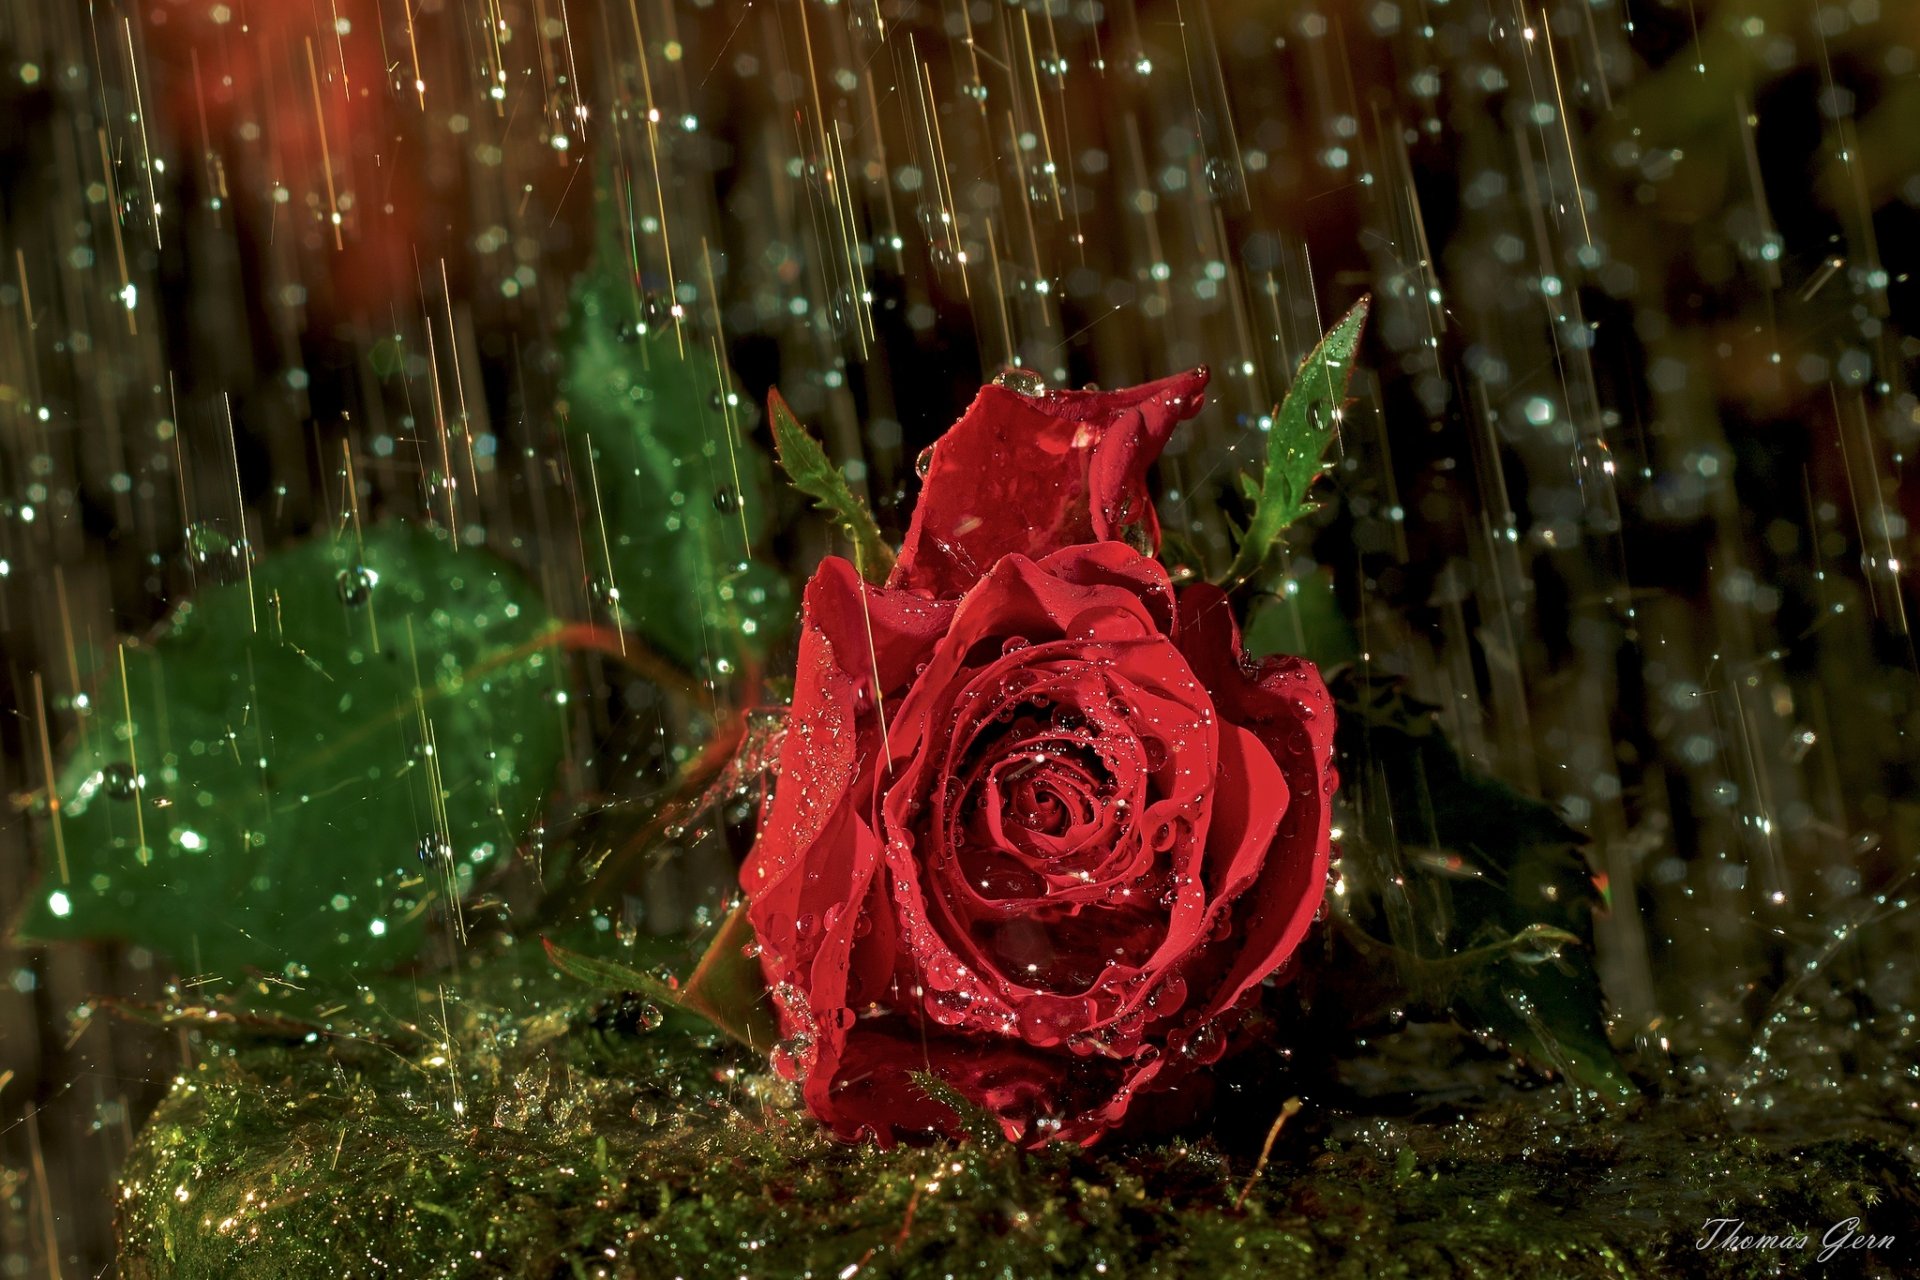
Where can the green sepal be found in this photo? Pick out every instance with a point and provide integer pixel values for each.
(1305, 425)
(812, 473)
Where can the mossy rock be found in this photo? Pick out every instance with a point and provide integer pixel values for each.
(508, 1123)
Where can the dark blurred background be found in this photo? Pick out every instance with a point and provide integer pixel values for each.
(1623, 492)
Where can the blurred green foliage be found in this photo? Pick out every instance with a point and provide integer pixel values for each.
(1477, 897)
(311, 763)
(672, 492)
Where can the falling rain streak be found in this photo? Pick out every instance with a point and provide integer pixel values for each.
(1622, 489)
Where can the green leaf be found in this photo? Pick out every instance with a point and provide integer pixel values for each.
(809, 471)
(1479, 895)
(310, 761)
(725, 989)
(1304, 427)
(1434, 980)
(608, 975)
(673, 494)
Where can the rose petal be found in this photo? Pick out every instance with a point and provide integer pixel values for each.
(1114, 564)
(1284, 702)
(815, 1011)
(845, 626)
(817, 766)
(1250, 796)
(873, 631)
(1028, 475)
(814, 856)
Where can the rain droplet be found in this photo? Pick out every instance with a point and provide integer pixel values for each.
(1593, 471)
(1205, 1044)
(205, 542)
(1022, 381)
(356, 585)
(1222, 178)
(119, 781)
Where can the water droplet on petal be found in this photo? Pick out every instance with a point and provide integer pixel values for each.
(1204, 1044)
(1022, 381)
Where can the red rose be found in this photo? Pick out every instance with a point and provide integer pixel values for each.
(1040, 829)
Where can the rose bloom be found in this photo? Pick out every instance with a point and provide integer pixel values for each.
(1041, 830)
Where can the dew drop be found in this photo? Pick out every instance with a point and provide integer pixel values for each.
(1222, 178)
(644, 1016)
(204, 542)
(356, 585)
(118, 780)
(1204, 1044)
(1021, 381)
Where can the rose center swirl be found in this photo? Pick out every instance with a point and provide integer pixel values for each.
(1062, 823)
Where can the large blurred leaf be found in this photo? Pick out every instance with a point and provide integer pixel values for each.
(1478, 895)
(1307, 421)
(307, 763)
(672, 492)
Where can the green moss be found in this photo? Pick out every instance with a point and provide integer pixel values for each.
(516, 1126)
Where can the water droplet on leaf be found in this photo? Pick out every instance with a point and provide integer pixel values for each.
(119, 780)
(356, 585)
